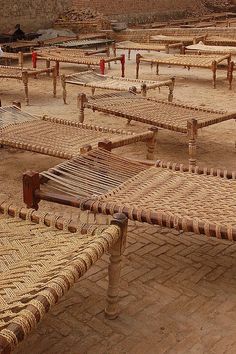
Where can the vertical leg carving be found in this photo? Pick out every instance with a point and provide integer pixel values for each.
(81, 101)
(63, 84)
(25, 82)
(171, 90)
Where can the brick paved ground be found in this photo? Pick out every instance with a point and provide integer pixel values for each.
(177, 296)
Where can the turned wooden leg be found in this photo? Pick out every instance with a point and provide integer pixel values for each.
(57, 67)
(114, 270)
(81, 100)
(171, 90)
(54, 81)
(93, 90)
(31, 183)
(138, 56)
(214, 68)
(25, 80)
(157, 69)
(230, 75)
(48, 67)
(144, 90)
(192, 134)
(63, 84)
(20, 59)
(129, 54)
(151, 144)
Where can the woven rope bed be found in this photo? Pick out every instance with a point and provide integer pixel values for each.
(94, 80)
(161, 114)
(9, 57)
(73, 58)
(171, 195)
(62, 138)
(129, 45)
(40, 263)
(186, 40)
(218, 40)
(83, 43)
(23, 74)
(210, 49)
(192, 60)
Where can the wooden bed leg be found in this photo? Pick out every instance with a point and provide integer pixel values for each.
(114, 49)
(144, 90)
(157, 69)
(54, 81)
(57, 65)
(105, 145)
(25, 80)
(214, 68)
(138, 56)
(31, 183)
(20, 59)
(230, 75)
(93, 90)
(122, 61)
(81, 100)
(34, 60)
(63, 84)
(192, 134)
(151, 144)
(114, 269)
(171, 90)
(102, 67)
(48, 67)
(129, 54)
(167, 49)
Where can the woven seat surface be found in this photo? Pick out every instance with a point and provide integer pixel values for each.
(92, 79)
(16, 72)
(38, 265)
(72, 58)
(13, 56)
(86, 42)
(172, 39)
(212, 48)
(12, 115)
(140, 46)
(163, 114)
(201, 61)
(58, 137)
(218, 40)
(176, 195)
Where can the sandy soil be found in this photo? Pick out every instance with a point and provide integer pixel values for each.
(216, 144)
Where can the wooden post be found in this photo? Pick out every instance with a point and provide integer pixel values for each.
(57, 65)
(34, 59)
(230, 76)
(25, 80)
(167, 49)
(54, 81)
(93, 90)
(192, 134)
(122, 61)
(102, 67)
(144, 90)
(151, 144)
(138, 56)
(20, 59)
(157, 68)
(114, 269)
(48, 66)
(105, 145)
(31, 183)
(114, 49)
(63, 84)
(171, 90)
(81, 100)
(214, 68)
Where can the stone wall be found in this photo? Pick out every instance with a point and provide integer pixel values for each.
(31, 14)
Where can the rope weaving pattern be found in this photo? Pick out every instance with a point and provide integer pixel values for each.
(12, 115)
(162, 114)
(140, 46)
(38, 265)
(85, 43)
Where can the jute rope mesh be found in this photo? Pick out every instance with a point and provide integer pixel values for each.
(177, 195)
(72, 58)
(218, 40)
(39, 264)
(211, 48)
(140, 46)
(203, 61)
(85, 42)
(16, 72)
(172, 116)
(57, 137)
(92, 79)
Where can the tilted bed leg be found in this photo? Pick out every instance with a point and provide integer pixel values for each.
(171, 90)
(192, 134)
(25, 80)
(114, 270)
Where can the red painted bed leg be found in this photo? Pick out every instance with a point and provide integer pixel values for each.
(102, 66)
(34, 60)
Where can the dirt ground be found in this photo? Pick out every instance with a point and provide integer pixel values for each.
(216, 148)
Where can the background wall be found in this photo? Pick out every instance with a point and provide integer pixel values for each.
(31, 14)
